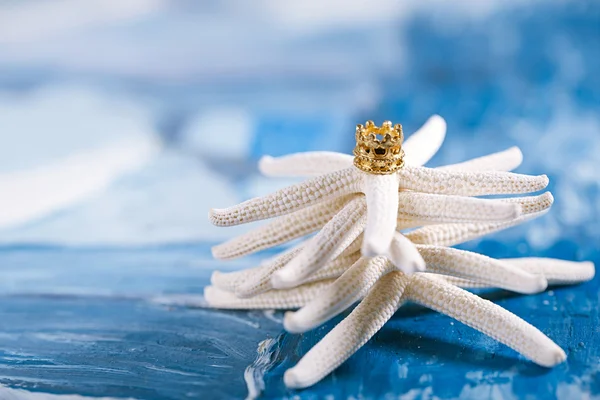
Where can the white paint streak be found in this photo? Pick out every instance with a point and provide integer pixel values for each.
(20, 394)
(255, 372)
(164, 202)
(184, 300)
(270, 314)
(35, 192)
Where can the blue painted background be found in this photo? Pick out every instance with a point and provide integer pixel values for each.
(83, 289)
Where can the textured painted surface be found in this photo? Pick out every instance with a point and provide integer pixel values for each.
(91, 321)
(123, 342)
(74, 328)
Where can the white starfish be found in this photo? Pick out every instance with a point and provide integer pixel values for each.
(338, 201)
(351, 277)
(328, 274)
(260, 280)
(323, 299)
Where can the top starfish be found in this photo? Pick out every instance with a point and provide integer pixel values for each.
(341, 178)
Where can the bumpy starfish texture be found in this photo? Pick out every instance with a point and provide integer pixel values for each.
(324, 298)
(327, 274)
(344, 215)
(380, 191)
(400, 251)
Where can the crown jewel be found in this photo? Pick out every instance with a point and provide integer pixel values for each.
(379, 149)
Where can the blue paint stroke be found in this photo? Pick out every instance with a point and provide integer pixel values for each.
(20, 394)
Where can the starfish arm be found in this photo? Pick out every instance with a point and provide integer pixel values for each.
(309, 163)
(351, 241)
(229, 281)
(480, 268)
(417, 209)
(381, 192)
(274, 299)
(461, 183)
(557, 272)
(506, 160)
(531, 205)
(290, 199)
(341, 294)
(404, 255)
(355, 245)
(486, 317)
(253, 281)
(260, 280)
(350, 334)
(233, 281)
(460, 282)
(283, 229)
(422, 145)
(452, 234)
(335, 268)
(331, 241)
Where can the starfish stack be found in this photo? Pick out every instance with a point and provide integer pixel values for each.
(384, 239)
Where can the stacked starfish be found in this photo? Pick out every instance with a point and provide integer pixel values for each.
(360, 254)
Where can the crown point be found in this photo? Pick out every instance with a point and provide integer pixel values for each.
(370, 124)
(398, 127)
(387, 124)
(359, 127)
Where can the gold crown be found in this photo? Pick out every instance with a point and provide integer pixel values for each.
(379, 149)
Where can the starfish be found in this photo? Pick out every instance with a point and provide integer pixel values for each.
(384, 289)
(430, 243)
(346, 202)
(323, 299)
(441, 233)
(329, 274)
